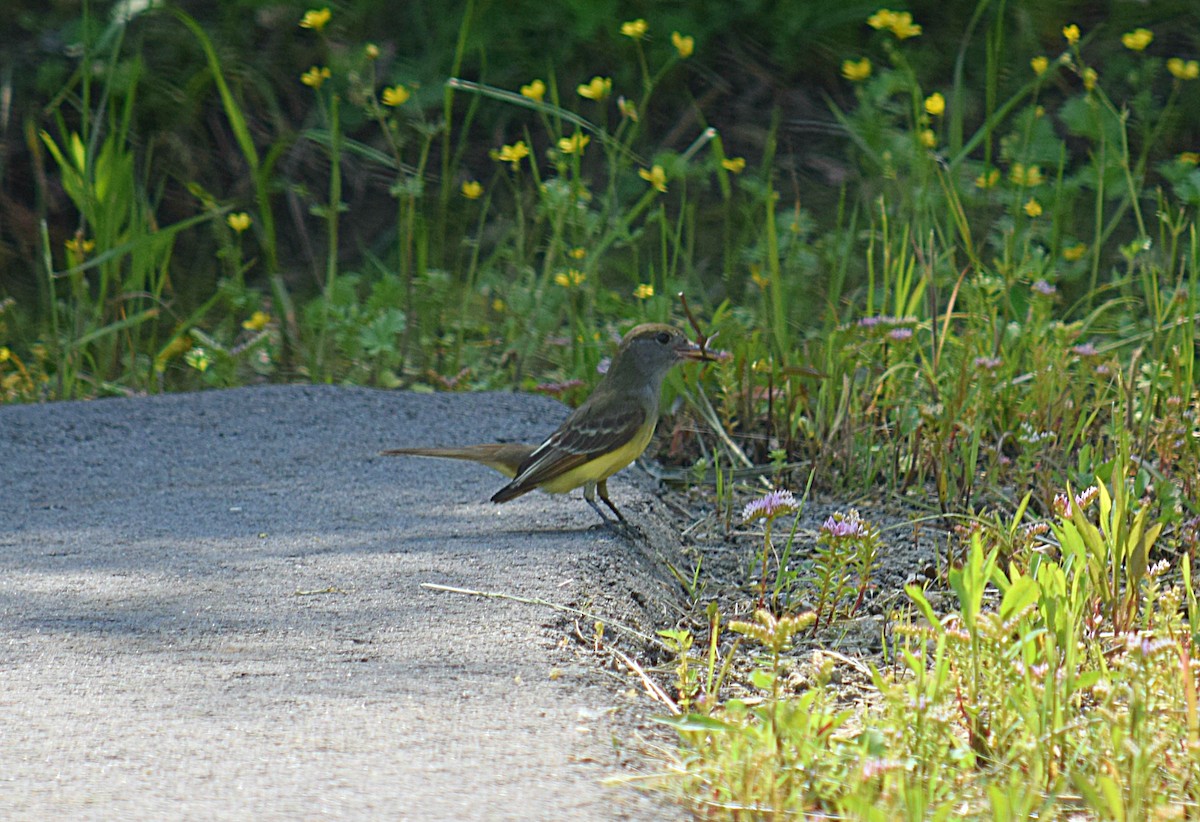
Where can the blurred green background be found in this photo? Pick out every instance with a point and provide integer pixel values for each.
(756, 63)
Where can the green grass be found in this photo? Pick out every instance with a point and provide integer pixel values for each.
(1059, 682)
(995, 308)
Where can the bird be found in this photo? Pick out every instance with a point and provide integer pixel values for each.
(603, 435)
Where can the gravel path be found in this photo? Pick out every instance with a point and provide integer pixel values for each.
(211, 608)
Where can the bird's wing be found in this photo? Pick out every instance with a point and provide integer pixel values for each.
(584, 436)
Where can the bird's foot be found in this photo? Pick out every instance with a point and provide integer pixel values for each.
(619, 524)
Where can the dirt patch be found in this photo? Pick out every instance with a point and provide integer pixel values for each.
(712, 564)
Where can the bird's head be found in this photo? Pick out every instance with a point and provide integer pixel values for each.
(652, 348)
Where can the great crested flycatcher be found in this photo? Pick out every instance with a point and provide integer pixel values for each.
(609, 431)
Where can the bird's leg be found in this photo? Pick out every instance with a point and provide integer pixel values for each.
(620, 523)
(589, 494)
(602, 487)
(600, 513)
(629, 528)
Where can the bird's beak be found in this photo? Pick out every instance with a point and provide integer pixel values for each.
(692, 351)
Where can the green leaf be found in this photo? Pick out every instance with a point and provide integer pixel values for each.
(918, 597)
(381, 334)
(1084, 116)
(1020, 595)
(1136, 550)
(1187, 189)
(237, 121)
(1112, 795)
(695, 722)
(1089, 793)
(762, 679)
(120, 325)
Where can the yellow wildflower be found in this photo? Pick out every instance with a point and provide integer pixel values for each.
(498, 305)
(257, 322)
(396, 96)
(1181, 70)
(78, 248)
(935, 105)
(535, 91)
(198, 358)
(734, 165)
(904, 28)
(511, 154)
(1189, 158)
(1033, 208)
(5, 353)
(899, 23)
(1137, 40)
(988, 180)
(1071, 33)
(472, 189)
(1039, 112)
(635, 29)
(881, 19)
(574, 144)
(315, 77)
(684, 44)
(570, 277)
(1074, 252)
(856, 70)
(1089, 78)
(1022, 176)
(657, 177)
(761, 280)
(372, 51)
(644, 291)
(577, 253)
(628, 108)
(315, 19)
(239, 222)
(1039, 65)
(928, 138)
(598, 88)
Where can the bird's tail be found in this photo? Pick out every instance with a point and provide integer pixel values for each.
(505, 457)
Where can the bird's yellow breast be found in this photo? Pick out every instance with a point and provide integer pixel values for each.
(603, 466)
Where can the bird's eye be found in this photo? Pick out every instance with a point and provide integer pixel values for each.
(663, 337)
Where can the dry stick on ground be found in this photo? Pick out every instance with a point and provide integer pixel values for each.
(655, 690)
(432, 586)
(652, 688)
